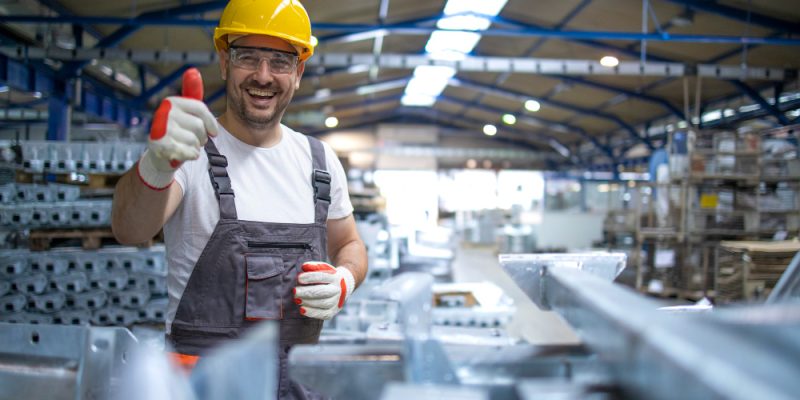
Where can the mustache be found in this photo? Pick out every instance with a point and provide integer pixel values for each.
(255, 85)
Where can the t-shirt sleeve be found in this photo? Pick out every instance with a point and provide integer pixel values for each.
(340, 197)
(189, 170)
(181, 176)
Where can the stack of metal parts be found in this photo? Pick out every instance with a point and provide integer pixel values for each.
(112, 286)
(50, 206)
(630, 348)
(84, 157)
(62, 362)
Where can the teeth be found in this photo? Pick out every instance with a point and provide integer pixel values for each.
(257, 92)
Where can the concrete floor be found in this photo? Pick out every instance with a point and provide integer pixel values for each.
(478, 264)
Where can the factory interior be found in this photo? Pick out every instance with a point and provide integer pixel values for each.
(557, 199)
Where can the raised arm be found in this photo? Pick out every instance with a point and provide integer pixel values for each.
(145, 197)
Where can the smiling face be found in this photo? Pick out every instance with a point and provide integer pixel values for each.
(258, 98)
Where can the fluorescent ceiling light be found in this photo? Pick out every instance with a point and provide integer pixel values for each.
(532, 105)
(442, 72)
(443, 41)
(331, 122)
(489, 130)
(485, 7)
(464, 23)
(451, 44)
(509, 119)
(609, 61)
(417, 100)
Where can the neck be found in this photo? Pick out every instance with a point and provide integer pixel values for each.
(267, 136)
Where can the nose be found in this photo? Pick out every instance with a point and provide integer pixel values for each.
(263, 73)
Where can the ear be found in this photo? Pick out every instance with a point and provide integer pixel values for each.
(223, 63)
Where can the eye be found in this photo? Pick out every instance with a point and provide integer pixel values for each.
(280, 63)
(248, 57)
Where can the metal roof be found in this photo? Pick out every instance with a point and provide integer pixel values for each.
(738, 56)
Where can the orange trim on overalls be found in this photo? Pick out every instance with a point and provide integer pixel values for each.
(185, 361)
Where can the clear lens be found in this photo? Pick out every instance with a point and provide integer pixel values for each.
(250, 59)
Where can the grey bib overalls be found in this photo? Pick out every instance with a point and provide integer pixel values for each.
(247, 271)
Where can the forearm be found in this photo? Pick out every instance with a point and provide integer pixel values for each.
(353, 256)
(138, 212)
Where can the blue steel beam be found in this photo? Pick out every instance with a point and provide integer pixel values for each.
(771, 109)
(435, 117)
(577, 130)
(164, 82)
(610, 117)
(135, 24)
(738, 14)
(165, 17)
(216, 95)
(419, 117)
(396, 98)
(652, 99)
(502, 78)
(479, 123)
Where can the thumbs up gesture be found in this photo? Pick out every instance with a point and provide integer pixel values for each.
(181, 126)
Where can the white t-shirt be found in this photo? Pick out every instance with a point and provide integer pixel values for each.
(270, 185)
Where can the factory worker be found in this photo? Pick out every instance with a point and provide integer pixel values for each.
(257, 219)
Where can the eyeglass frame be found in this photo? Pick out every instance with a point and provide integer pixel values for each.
(233, 49)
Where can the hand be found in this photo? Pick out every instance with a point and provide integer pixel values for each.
(322, 289)
(180, 128)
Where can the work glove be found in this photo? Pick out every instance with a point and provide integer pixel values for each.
(322, 289)
(181, 126)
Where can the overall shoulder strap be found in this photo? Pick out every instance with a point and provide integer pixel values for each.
(220, 180)
(320, 180)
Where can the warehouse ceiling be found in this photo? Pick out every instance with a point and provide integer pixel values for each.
(712, 63)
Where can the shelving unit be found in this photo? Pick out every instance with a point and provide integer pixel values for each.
(729, 187)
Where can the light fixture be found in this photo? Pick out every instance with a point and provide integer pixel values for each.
(471, 163)
(609, 61)
(487, 164)
(685, 18)
(314, 41)
(331, 122)
(428, 82)
(458, 31)
(489, 130)
(3, 88)
(509, 119)
(532, 105)
(37, 95)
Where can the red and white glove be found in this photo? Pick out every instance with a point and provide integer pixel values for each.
(322, 289)
(181, 126)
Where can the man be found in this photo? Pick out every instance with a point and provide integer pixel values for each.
(251, 213)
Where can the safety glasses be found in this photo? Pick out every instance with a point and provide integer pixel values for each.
(249, 58)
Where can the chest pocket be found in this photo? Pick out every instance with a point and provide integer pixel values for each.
(264, 286)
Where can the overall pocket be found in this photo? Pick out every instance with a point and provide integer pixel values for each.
(264, 287)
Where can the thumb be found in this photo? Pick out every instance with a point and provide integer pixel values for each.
(192, 84)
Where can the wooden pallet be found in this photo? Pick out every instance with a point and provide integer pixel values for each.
(89, 239)
(91, 180)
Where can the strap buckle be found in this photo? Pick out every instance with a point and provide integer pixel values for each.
(322, 185)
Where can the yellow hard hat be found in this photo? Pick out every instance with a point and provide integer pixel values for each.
(285, 19)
